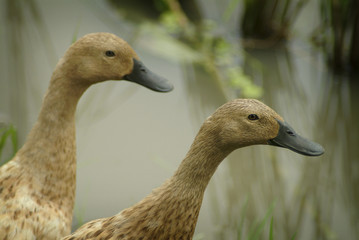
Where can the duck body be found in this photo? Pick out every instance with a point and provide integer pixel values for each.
(171, 211)
(37, 187)
(23, 209)
(38, 184)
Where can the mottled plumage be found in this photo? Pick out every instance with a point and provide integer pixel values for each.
(170, 212)
(37, 187)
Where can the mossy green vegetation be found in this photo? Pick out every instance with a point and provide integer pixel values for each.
(8, 143)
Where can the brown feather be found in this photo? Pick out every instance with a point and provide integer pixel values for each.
(170, 212)
(37, 187)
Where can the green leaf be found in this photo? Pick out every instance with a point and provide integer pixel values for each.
(162, 44)
(8, 132)
(243, 215)
(271, 229)
(259, 227)
(238, 80)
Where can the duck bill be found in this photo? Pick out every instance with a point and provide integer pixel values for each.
(142, 75)
(288, 138)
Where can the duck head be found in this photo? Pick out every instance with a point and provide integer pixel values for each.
(98, 57)
(245, 122)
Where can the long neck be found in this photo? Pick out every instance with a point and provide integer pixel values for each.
(172, 209)
(190, 181)
(49, 153)
(200, 163)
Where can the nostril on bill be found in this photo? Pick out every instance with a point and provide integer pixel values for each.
(290, 132)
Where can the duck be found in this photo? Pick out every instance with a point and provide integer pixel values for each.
(37, 186)
(170, 212)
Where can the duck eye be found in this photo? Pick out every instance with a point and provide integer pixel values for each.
(253, 117)
(110, 53)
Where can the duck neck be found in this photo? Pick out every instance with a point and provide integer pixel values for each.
(178, 201)
(49, 154)
(200, 163)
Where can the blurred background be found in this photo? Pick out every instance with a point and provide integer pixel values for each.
(300, 57)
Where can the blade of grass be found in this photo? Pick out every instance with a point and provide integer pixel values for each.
(2, 143)
(11, 132)
(258, 229)
(271, 229)
(252, 230)
(14, 140)
(243, 215)
(76, 32)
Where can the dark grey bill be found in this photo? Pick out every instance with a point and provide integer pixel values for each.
(288, 138)
(142, 75)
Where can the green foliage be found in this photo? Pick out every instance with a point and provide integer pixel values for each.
(338, 34)
(76, 33)
(161, 5)
(167, 46)
(230, 8)
(270, 20)
(79, 213)
(257, 228)
(294, 235)
(241, 81)
(271, 229)
(8, 133)
(198, 43)
(242, 219)
(170, 21)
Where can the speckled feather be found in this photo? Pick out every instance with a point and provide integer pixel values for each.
(37, 187)
(171, 211)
